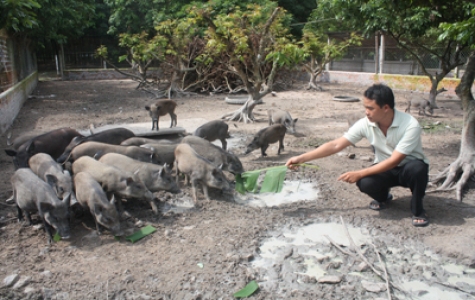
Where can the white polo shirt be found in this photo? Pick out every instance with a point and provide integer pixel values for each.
(404, 136)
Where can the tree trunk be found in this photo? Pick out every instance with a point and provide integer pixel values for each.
(456, 175)
(244, 113)
(312, 84)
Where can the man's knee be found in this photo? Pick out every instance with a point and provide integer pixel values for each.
(418, 169)
(366, 184)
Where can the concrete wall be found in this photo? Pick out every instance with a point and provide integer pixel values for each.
(12, 100)
(397, 82)
(18, 76)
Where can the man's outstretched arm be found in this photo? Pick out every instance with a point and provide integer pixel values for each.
(324, 150)
(393, 161)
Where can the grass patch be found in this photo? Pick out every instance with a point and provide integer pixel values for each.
(438, 127)
(313, 142)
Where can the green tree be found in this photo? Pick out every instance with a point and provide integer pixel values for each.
(457, 174)
(251, 43)
(414, 25)
(319, 49)
(134, 17)
(19, 15)
(141, 52)
(50, 20)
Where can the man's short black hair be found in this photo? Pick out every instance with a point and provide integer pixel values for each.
(380, 93)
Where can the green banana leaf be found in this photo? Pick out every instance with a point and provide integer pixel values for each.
(247, 181)
(248, 290)
(274, 180)
(141, 233)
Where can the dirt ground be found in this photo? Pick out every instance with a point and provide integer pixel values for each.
(208, 252)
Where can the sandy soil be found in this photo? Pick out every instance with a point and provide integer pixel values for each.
(210, 252)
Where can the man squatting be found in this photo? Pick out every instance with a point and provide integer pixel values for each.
(399, 159)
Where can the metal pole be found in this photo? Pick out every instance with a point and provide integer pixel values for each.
(376, 53)
(57, 64)
(381, 55)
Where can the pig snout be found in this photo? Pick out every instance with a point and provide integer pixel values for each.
(175, 190)
(116, 231)
(63, 231)
(252, 146)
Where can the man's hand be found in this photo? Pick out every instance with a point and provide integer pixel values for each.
(350, 177)
(292, 162)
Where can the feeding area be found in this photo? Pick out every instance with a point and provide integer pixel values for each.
(359, 261)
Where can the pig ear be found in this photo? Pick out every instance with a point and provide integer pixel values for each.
(46, 207)
(162, 173)
(97, 209)
(51, 180)
(30, 149)
(97, 155)
(129, 180)
(67, 199)
(295, 120)
(10, 152)
(113, 200)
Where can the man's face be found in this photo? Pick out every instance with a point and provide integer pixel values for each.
(373, 112)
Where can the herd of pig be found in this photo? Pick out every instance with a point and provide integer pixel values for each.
(115, 164)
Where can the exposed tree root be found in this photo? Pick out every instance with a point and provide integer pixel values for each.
(456, 176)
(314, 86)
(243, 114)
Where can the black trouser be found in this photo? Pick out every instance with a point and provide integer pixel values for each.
(414, 175)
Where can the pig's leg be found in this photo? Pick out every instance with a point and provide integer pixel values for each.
(193, 190)
(48, 229)
(98, 228)
(205, 191)
(281, 146)
(28, 217)
(20, 213)
(224, 143)
(177, 172)
(174, 119)
(154, 206)
(263, 150)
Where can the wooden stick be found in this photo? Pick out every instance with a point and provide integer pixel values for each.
(385, 271)
(454, 287)
(339, 248)
(358, 251)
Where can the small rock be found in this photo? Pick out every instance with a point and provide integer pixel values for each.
(10, 279)
(29, 290)
(373, 286)
(44, 251)
(129, 278)
(366, 158)
(351, 155)
(362, 267)
(48, 293)
(139, 223)
(333, 265)
(289, 253)
(24, 280)
(38, 227)
(46, 273)
(248, 257)
(329, 279)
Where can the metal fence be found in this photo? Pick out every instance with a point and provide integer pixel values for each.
(396, 61)
(79, 54)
